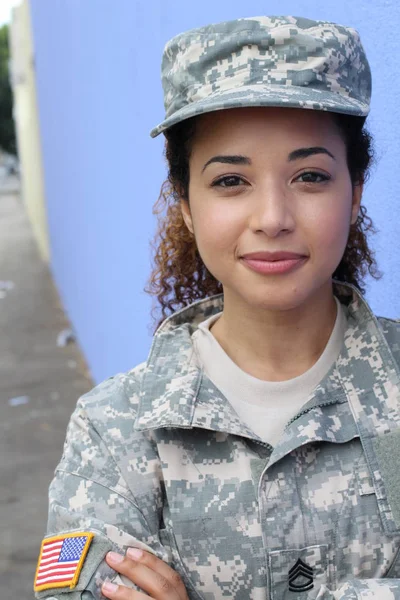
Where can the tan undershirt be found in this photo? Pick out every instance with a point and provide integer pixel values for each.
(264, 406)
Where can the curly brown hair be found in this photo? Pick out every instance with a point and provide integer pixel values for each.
(179, 276)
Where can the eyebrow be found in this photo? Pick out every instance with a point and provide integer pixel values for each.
(306, 152)
(237, 159)
(232, 160)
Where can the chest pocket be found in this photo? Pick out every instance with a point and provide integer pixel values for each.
(299, 573)
(380, 494)
(381, 481)
(365, 542)
(387, 481)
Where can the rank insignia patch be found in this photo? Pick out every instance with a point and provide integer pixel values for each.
(61, 560)
(304, 573)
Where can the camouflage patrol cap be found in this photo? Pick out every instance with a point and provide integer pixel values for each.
(265, 61)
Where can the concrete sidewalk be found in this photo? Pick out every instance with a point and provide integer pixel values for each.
(39, 386)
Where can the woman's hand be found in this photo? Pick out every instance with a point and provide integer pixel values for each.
(148, 572)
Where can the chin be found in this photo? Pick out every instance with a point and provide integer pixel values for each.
(277, 299)
(280, 295)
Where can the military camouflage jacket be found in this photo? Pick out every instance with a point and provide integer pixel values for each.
(157, 458)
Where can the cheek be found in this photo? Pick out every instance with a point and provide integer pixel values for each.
(328, 228)
(217, 228)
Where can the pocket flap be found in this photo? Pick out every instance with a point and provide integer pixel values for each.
(298, 574)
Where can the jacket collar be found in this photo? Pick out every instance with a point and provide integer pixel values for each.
(175, 392)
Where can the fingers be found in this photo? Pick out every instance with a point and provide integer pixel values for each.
(120, 592)
(159, 566)
(149, 573)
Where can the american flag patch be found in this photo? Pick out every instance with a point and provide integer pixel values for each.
(61, 560)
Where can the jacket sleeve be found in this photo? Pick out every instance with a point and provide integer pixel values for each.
(363, 589)
(90, 494)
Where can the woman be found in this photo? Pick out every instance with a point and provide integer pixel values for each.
(253, 455)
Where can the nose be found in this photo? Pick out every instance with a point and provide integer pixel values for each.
(271, 211)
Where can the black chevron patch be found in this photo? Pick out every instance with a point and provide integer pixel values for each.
(305, 573)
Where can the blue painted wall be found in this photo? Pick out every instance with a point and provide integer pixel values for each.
(99, 93)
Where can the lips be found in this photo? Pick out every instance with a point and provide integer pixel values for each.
(273, 263)
(273, 256)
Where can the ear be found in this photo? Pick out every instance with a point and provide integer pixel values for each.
(187, 216)
(356, 201)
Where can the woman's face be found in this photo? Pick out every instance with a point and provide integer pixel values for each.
(270, 180)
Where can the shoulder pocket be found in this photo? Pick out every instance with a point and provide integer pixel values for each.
(88, 576)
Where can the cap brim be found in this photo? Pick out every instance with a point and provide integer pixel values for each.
(268, 95)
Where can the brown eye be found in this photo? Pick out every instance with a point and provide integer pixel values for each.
(228, 181)
(313, 177)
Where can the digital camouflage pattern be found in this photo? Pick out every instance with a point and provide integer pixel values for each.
(157, 458)
(265, 61)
